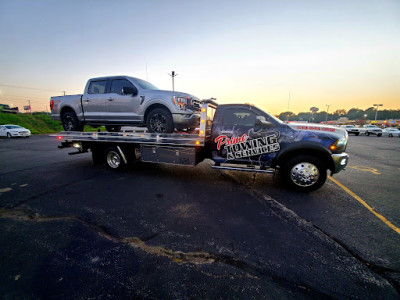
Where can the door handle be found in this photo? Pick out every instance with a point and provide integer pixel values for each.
(86, 100)
(110, 99)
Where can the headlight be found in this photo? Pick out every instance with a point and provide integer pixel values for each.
(339, 145)
(180, 102)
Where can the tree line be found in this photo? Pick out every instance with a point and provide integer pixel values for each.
(354, 114)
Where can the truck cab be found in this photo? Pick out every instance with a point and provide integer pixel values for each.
(245, 135)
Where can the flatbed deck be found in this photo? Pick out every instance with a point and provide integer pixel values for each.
(167, 139)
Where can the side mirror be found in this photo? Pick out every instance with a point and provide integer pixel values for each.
(129, 91)
(261, 121)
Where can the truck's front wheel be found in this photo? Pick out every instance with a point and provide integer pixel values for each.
(159, 120)
(70, 122)
(305, 173)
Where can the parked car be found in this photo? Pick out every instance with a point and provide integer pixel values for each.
(351, 129)
(391, 132)
(10, 131)
(371, 129)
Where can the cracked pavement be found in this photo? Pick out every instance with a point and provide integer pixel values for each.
(72, 230)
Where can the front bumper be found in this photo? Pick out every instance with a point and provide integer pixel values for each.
(340, 162)
(20, 134)
(182, 121)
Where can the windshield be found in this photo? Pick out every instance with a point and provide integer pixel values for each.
(13, 126)
(144, 84)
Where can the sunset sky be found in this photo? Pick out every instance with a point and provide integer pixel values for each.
(339, 53)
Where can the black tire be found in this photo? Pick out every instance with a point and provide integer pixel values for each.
(114, 159)
(357, 133)
(9, 135)
(390, 135)
(367, 133)
(379, 134)
(113, 128)
(159, 120)
(304, 173)
(70, 122)
(98, 157)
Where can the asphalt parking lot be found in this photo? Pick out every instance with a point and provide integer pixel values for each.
(72, 230)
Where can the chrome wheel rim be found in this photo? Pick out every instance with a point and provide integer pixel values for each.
(113, 159)
(304, 174)
(158, 123)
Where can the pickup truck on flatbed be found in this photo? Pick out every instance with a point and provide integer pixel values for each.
(122, 100)
(236, 137)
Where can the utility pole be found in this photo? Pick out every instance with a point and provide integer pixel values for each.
(326, 121)
(30, 109)
(173, 75)
(64, 92)
(376, 113)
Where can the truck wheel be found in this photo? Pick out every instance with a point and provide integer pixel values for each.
(304, 173)
(70, 122)
(111, 128)
(159, 120)
(114, 159)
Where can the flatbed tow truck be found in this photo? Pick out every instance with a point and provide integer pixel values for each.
(236, 137)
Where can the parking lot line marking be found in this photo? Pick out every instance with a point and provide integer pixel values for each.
(365, 204)
(366, 169)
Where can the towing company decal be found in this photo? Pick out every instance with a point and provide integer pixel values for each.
(239, 147)
(315, 128)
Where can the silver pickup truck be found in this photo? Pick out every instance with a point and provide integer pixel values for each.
(122, 100)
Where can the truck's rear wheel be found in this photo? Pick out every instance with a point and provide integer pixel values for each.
(70, 122)
(305, 173)
(159, 120)
(114, 158)
(111, 128)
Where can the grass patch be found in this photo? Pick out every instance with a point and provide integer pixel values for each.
(37, 123)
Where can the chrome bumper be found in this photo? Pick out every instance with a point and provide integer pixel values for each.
(186, 121)
(340, 161)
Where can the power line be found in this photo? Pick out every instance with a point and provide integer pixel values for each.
(29, 88)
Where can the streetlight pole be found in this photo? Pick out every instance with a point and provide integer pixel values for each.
(173, 75)
(326, 121)
(376, 113)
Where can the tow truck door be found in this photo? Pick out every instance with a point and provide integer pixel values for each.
(241, 134)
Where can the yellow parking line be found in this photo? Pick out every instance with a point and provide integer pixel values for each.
(365, 204)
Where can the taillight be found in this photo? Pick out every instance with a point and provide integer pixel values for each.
(51, 104)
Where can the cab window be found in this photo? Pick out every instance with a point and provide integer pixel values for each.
(97, 87)
(239, 117)
(118, 84)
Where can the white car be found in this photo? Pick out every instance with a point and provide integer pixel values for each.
(10, 131)
(391, 132)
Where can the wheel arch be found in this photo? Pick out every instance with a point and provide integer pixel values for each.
(154, 106)
(305, 148)
(66, 109)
